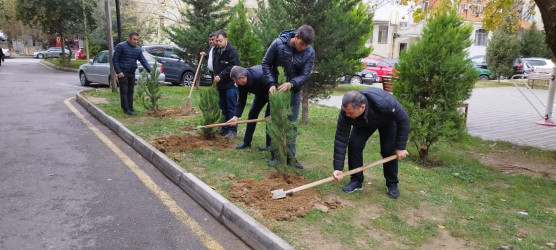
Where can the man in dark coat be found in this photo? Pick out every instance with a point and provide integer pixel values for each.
(363, 113)
(1, 56)
(291, 50)
(250, 81)
(125, 59)
(225, 57)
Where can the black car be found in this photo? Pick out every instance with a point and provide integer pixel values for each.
(176, 70)
(362, 77)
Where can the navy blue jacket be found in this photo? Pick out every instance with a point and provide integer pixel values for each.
(126, 56)
(297, 64)
(222, 62)
(255, 85)
(381, 109)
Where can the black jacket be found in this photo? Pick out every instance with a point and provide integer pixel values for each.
(297, 64)
(381, 109)
(255, 85)
(222, 62)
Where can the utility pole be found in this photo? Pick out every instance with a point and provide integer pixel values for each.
(118, 21)
(110, 44)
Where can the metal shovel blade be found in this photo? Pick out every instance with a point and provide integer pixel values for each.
(278, 194)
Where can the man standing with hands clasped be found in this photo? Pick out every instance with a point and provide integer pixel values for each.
(125, 59)
(225, 57)
(363, 113)
(291, 50)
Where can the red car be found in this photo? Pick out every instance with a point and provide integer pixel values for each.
(380, 66)
(80, 54)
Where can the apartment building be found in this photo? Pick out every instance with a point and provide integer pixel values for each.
(395, 29)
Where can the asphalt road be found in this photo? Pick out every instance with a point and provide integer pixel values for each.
(63, 187)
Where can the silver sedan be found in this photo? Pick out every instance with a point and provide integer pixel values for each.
(97, 69)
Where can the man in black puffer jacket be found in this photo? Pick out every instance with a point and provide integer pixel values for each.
(125, 59)
(366, 111)
(291, 50)
(225, 57)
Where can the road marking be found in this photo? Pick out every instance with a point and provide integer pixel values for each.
(166, 199)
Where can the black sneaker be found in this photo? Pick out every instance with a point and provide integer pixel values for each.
(273, 160)
(128, 112)
(298, 165)
(243, 145)
(353, 186)
(393, 191)
(221, 132)
(231, 135)
(264, 148)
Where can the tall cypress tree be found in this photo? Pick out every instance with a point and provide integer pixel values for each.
(273, 18)
(201, 18)
(503, 49)
(434, 79)
(240, 34)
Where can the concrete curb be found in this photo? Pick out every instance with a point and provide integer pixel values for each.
(52, 66)
(244, 226)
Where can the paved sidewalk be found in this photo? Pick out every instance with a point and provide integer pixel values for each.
(503, 114)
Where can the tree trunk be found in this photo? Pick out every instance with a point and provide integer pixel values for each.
(305, 108)
(548, 13)
(423, 154)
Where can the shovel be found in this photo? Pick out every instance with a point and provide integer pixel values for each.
(186, 106)
(280, 193)
(238, 122)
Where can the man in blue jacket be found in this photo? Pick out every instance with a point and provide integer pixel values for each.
(291, 50)
(250, 81)
(363, 113)
(125, 59)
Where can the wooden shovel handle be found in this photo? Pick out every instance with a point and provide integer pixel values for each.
(195, 78)
(353, 171)
(238, 122)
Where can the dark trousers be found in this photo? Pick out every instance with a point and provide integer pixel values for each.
(228, 103)
(256, 107)
(127, 86)
(295, 104)
(357, 141)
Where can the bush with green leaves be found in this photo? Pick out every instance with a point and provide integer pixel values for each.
(211, 110)
(434, 79)
(281, 129)
(148, 88)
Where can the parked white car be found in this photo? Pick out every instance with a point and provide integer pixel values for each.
(541, 65)
(50, 52)
(97, 69)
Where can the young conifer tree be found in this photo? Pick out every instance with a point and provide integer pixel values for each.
(434, 79)
(210, 109)
(148, 88)
(280, 128)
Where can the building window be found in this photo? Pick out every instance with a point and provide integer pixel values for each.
(425, 5)
(383, 34)
(403, 24)
(480, 37)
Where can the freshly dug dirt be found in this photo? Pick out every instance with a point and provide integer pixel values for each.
(190, 141)
(257, 197)
(173, 112)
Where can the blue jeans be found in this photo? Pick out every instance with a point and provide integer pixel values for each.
(295, 104)
(357, 141)
(228, 104)
(256, 107)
